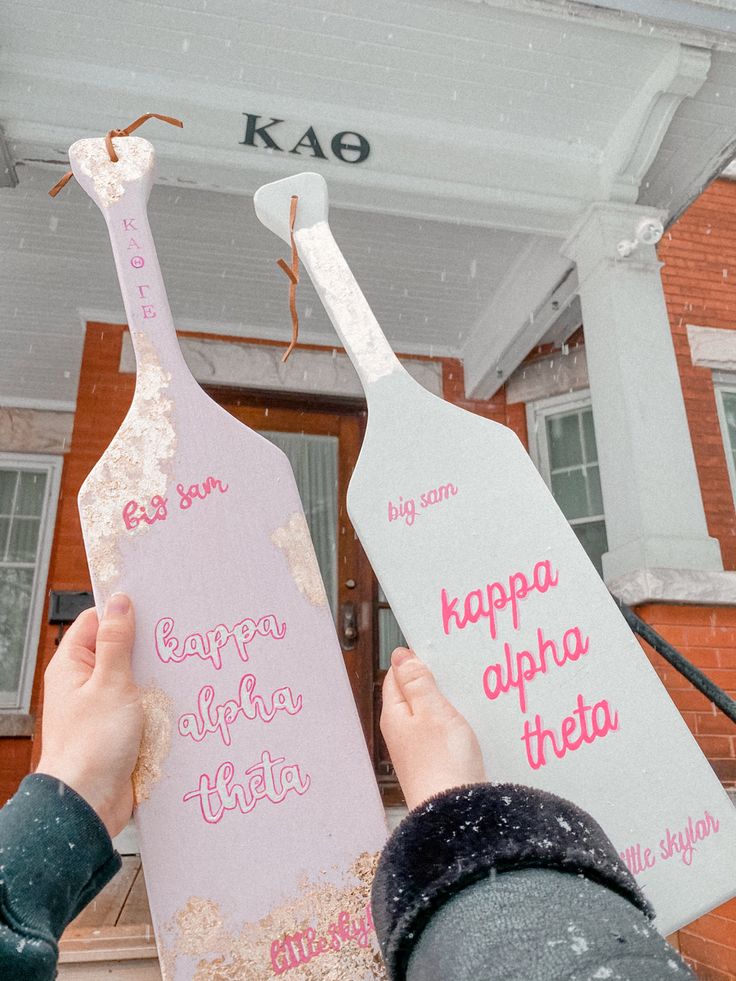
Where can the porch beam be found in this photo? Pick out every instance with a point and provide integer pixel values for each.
(524, 307)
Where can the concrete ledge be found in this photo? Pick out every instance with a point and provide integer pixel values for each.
(712, 347)
(35, 430)
(17, 724)
(675, 586)
(259, 367)
(556, 374)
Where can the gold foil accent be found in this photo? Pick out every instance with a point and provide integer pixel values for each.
(199, 931)
(133, 467)
(158, 712)
(135, 158)
(166, 962)
(200, 927)
(295, 542)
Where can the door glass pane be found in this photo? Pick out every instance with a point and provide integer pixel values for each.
(314, 462)
(389, 637)
(16, 587)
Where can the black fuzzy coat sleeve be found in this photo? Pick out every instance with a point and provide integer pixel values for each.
(517, 847)
(55, 856)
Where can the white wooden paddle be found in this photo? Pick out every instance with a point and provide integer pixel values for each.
(492, 588)
(259, 815)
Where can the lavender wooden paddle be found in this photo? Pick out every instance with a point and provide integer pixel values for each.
(492, 588)
(258, 812)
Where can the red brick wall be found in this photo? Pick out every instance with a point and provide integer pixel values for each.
(707, 636)
(15, 762)
(103, 399)
(696, 252)
(709, 944)
(699, 276)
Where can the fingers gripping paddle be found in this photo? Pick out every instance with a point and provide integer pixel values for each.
(253, 751)
(491, 587)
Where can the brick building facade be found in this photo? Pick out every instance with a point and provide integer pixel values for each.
(699, 275)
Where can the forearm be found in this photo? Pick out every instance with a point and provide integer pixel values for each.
(56, 856)
(498, 882)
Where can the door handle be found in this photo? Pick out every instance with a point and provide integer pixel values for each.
(348, 626)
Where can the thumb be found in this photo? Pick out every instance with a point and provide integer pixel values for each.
(415, 681)
(114, 647)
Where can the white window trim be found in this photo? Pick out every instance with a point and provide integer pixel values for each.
(725, 383)
(52, 465)
(536, 416)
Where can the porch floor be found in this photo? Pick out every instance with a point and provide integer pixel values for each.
(113, 936)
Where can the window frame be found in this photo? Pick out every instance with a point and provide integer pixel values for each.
(537, 413)
(724, 383)
(52, 465)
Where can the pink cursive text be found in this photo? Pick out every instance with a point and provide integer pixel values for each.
(198, 492)
(269, 779)
(296, 949)
(209, 646)
(482, 603)
(585, 725)
(523, 666)
(134, 513)
(250, 705)
(682, 843)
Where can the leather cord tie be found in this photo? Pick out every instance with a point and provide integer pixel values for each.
(110, 146)
(292, 271)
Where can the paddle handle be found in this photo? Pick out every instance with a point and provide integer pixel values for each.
(121, 189)
(141, 284)
(333, 280)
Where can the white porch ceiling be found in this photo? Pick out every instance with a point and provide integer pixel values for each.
(493, 125)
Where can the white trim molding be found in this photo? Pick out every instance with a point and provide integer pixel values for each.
(43, 405)
(725, 384)
(52, 466)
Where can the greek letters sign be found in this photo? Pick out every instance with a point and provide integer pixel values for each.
(267, 133)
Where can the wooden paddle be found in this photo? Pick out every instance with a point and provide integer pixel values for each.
(258, 812)
(492, 588)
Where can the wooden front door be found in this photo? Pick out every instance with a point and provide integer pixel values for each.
(322, 445)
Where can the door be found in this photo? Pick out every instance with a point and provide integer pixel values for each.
(322, 444)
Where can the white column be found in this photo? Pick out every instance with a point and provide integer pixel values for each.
(653, 506)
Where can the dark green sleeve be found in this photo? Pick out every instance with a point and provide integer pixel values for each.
(55, 856)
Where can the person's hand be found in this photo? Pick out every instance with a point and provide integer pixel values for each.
(431, 745)
(92, 712)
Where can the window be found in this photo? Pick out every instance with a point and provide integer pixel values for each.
(726, 401)
(29, 488)
(562, 444)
